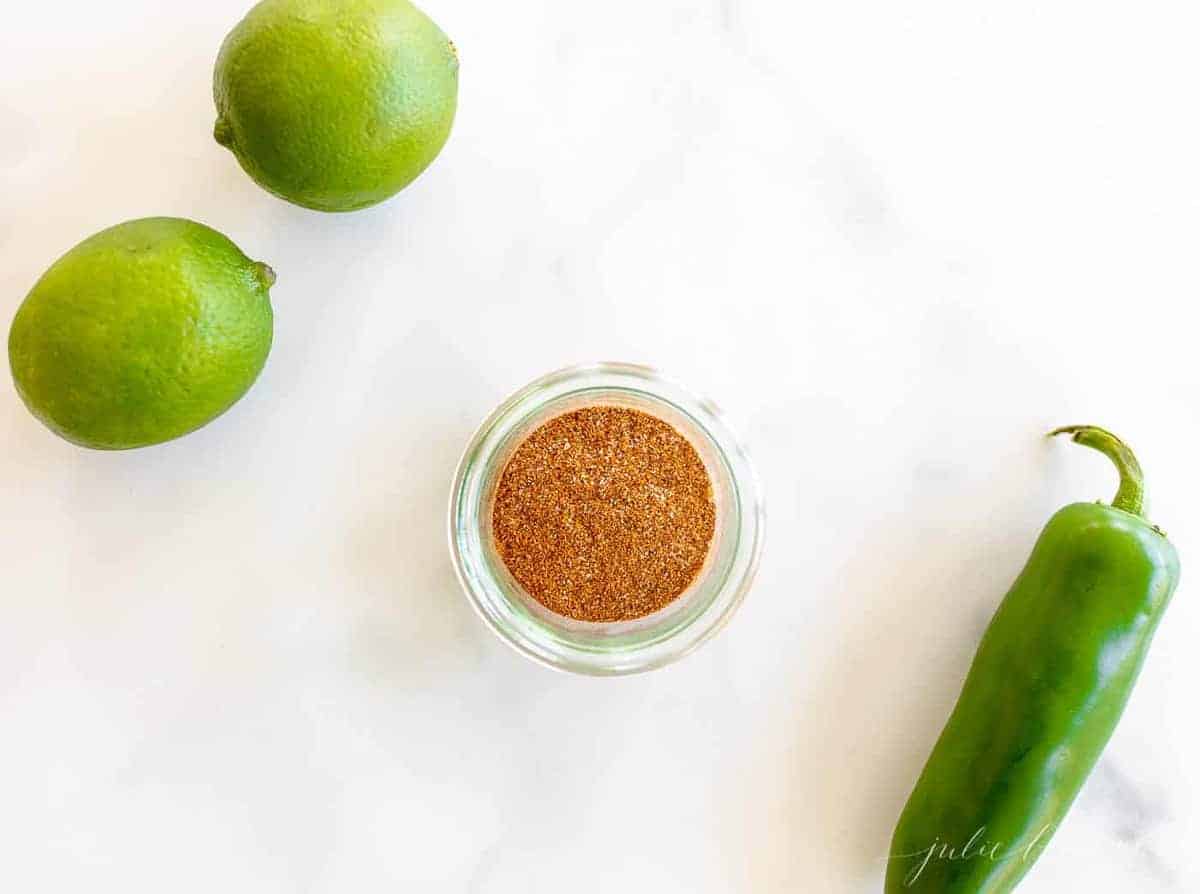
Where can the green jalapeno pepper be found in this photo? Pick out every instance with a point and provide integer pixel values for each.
(1046, 689)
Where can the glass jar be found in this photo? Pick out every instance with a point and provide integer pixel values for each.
(621, 647)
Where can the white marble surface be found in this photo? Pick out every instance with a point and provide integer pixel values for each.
(897, 241)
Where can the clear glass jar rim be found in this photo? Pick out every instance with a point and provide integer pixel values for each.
(487, 595)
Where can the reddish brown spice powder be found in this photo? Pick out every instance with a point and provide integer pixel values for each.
(604, 514)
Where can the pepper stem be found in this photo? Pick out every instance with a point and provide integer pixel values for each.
(1132, 490)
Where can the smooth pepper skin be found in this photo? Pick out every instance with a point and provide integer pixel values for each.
(1046, 689)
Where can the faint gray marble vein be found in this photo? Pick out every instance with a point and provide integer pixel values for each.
(1131, 813)
(856, 196)
(728, 14)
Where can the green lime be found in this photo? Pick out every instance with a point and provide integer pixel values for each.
(142, 333)
(335, 104)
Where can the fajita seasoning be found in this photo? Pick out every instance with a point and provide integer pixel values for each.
(604, 514)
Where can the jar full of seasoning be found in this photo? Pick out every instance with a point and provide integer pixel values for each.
(605, 521)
